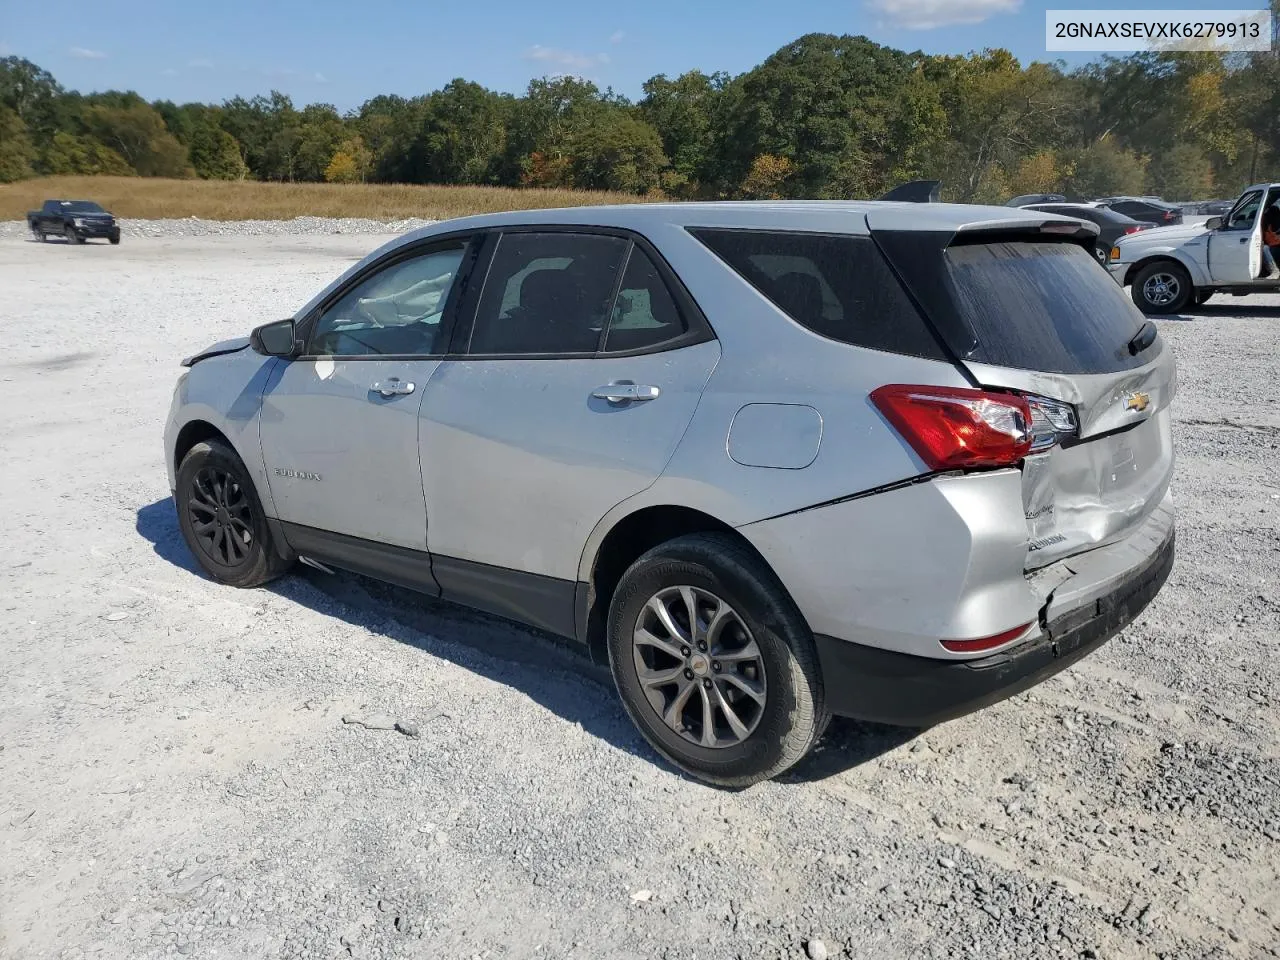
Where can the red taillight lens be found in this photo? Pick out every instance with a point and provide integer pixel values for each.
(957, 428)
(1132, 229)
(985, 643)
(1168, 214)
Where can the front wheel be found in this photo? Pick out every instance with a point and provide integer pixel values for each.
(114, 240)
(1162, 288)
(75, 237)
(714, 663)
(38, 234)
(221, 518)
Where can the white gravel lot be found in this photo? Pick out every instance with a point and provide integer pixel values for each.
(176, 779)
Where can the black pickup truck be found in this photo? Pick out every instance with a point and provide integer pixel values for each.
(77, 220)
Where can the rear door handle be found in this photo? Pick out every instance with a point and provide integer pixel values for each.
(625, 391)
(393, 387)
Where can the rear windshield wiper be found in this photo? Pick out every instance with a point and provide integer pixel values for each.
(1144, 338)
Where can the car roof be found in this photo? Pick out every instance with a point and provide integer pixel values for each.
(1066, 203)
(814, 216)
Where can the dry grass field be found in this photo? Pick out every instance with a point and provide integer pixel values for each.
(150, 199)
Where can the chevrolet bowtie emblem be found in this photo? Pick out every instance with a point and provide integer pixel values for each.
(1137, 401)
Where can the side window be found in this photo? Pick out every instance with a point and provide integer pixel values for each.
(547, 293)
(644, 315)
(835, 285)
(1246, 211)
(1127, 207)
(394, 311)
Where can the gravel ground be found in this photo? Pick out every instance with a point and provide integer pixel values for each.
(178, 778)
(195, 227)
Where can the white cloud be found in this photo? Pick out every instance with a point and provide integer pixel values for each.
(929, 14)
(617, 36)
(83, 54)
(567, 59)
(200, 63)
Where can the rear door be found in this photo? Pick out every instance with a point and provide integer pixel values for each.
(1235, 249)
(566, 395)
(1035, 315)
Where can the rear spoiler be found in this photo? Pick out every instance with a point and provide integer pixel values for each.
(916, 191)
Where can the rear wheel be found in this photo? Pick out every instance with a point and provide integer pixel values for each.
(221, 518)
(1163, 287)
(714, 663)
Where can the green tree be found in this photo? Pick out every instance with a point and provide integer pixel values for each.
(617, 152)
(69, 154)
(16, 152)
(1102, 169)
(136, 132)
(684, 111)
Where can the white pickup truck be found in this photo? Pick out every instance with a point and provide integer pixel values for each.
(1171, 268)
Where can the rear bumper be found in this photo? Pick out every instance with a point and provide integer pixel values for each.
(888, 687)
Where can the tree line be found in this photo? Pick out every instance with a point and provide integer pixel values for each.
(823, 117)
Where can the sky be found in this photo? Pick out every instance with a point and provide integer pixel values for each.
(345, 51)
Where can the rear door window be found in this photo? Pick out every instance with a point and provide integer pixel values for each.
(645, 315)
(1042, 306)
(547, 294)
(836, 285)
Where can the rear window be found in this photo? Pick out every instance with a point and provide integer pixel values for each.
(835, 285)
(1042, 306)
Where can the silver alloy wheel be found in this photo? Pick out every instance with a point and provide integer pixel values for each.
(688, 641)
(1161, 289)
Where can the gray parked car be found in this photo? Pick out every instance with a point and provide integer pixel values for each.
(769, 461)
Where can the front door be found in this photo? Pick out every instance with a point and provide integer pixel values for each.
(580, 373)
(340, 424)
(1235, 249)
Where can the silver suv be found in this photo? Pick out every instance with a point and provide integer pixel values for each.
(772, 462)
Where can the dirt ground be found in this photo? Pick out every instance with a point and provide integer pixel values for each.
(176, 778)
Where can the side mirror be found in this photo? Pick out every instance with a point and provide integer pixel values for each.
(273, 339)
(1214, 223)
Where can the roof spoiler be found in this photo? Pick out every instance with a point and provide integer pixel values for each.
(916, 191)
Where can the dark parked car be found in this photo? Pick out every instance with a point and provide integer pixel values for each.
(1029, 198)
(77, 220)
(1155, 212)
(1111, 225)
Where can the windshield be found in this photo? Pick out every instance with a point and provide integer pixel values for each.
(1042, 306)
(80, 206)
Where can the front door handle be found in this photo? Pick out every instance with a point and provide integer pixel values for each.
(393, 387)
(1245, 239)
(625, 391)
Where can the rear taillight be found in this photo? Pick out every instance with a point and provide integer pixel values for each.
(1132, 229)
(955, 428)
(1052, 422)
(1169, 214)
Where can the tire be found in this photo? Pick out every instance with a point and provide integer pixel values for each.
(214, 489)
(75, 237)
(38, 234)
(1162, 287)
(115, 241)
(764, 647)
